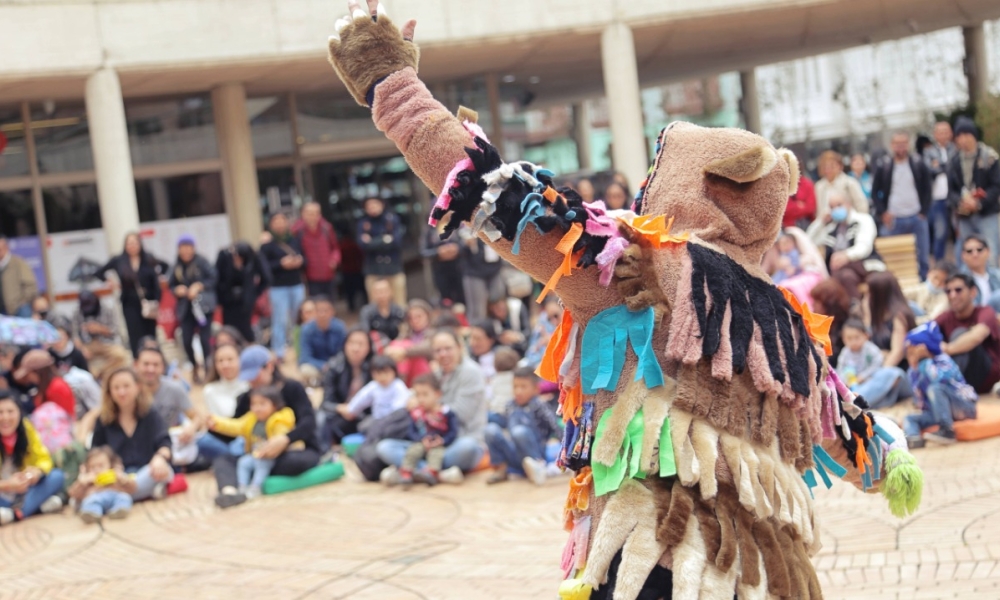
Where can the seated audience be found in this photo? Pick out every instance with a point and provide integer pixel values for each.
(971, 333)
(37, 370)
(512, 320)
(976, 262)
(412, 350)
(929, 299)
(482, 343)
(135, 432)
(102, 489)
(385, 393)
(788, 264)
(831, 299)
(27, 477)
(322, 339)
(516, 440)
(343, 377)
(223, 388)
(846, 238)
(433, 427)
(548, 319)
(64, 351)
(382, 315)
(861, 363)
(940, 391)
(502, 387)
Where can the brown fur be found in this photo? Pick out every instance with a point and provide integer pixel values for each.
(654, 413)
(808, 570)
(796, 570)
(727, 529)
(804, 461)
(368, 51)
(710, 531)
(749, 553)
(788, 434)
(467, 114)
(778, 579)
(793, 169)
(749, 165)
(705, 440)
(671, 529)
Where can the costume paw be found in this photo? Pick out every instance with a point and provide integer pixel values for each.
(367, 47)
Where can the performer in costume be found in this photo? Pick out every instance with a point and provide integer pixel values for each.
(700, 407)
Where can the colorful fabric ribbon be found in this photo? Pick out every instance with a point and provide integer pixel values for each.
(817, 325)
(556, 349)
(605, 341)
(627, 462)
(531, 209)
(564, 247)
(655, 230)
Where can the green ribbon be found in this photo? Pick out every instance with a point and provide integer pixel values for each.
(668, 466)
(628, 461)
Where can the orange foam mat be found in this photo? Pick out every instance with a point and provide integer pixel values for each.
(985, 425)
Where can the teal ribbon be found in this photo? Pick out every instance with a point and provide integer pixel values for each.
(628, 462)
(824, 461)
(532, 208)
(882, 433)
(605, 343)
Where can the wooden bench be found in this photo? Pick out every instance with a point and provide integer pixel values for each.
(899, 253)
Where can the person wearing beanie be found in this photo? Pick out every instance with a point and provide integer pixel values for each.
(974, 186)
(192, 281)
(940, 390)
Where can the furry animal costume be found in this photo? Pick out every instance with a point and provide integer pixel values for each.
(699, 404)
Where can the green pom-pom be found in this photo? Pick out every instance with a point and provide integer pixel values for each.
(903, 484)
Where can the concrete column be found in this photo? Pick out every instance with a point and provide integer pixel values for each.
(621, 86)
(581, 133)
(239, 169)
(749, 105)
(976, 65)
(112, 160)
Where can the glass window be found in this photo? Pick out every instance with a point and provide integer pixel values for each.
(71, 208)
(270, 127)
(17, 216)
(62, 137)
(178, 197)
(322, 119)
(277, 189)
(171, 130)
(13, 151)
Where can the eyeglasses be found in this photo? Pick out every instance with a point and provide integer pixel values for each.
(955, 290)
(975, 250)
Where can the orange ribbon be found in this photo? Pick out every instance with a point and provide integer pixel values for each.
(861, 456)
(571, 403)
(578, 499)
(655, 230)
(817, 325)
(564, 247)
(555, 351)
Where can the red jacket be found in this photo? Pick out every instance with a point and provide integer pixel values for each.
(802, 205)
(59, 393)
(320, 249)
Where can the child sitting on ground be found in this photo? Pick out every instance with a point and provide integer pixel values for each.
(860, 357)
(940, 391)
(517, 439)
(103, 488)
(385, 393)
(929, 300)
(433, 428)
(268, 418)
(788, 259)
(505, 361)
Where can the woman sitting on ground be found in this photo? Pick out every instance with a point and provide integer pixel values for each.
(412, 350)
(27, 477)
(37, 368)
(136, 433)
(889, 318)
(259, 369)
(344, 376)
(223, 389)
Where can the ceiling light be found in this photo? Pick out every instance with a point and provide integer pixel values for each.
(509, 79)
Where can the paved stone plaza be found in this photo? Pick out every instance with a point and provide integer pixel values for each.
(355, 540)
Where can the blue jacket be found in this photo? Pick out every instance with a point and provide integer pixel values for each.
(994, 275)
(319, 346)
(384, 245)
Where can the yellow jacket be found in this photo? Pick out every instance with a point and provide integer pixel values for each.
(280, 423)
(37, 454)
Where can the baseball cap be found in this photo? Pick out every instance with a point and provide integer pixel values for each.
(928, 334)
(252, 360)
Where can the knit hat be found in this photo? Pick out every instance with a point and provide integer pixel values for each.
(966, 125)
(928, 334)
(186, 239)
(34, 360)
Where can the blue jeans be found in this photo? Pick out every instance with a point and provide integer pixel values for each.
(211, 447)
(285, 302)
(986, 226)
(105, 502)
(943, 408)
(885, 387)
(940, 226)
(252, 471)
(144, 482)
(23, 311)
(47, 486)
(917, 225)
(513, 449)
(464, 453)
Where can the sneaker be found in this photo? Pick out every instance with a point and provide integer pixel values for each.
(159, 491)
(915, 441)
(534, 470)
(7, 516)
(90, 518)
(389, 476)
(941, 436)
(425, 476)
(498, 476)
(52, 504)
(118, 514)
(230, 500)
(252, 492)
(553, 470)
(451, 475)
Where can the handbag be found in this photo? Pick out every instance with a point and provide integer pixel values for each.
(150, 309)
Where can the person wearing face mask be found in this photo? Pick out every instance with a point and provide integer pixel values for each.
(846, 239)
(930, 298)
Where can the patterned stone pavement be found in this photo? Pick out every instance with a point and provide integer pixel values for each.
(353, 540)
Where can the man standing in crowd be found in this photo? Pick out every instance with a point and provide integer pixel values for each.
(937, 156)
(974, 186)
(833, 179)
(976, 262)
(846, 238)
(283, 254)
(901, 190)
(320, 249)
(17, 283)
(380, 235)
(972, 334)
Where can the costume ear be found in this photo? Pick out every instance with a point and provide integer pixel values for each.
(749, 165)
(793, 170)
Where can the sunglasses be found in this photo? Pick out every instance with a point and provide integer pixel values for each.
(975, 250)
(955, 290)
